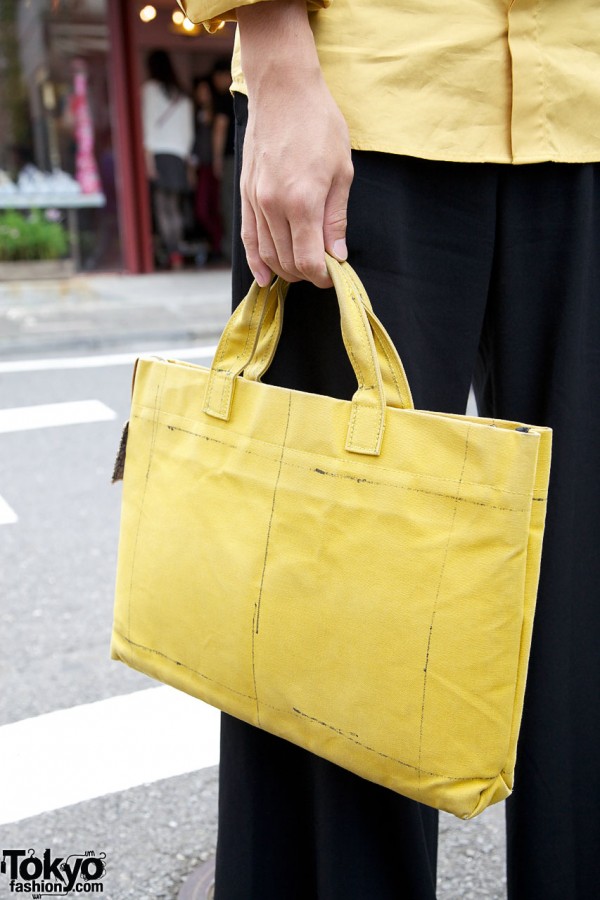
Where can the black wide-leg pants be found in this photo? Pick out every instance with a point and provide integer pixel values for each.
(488, 274)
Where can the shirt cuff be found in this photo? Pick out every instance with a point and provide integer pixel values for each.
(212, 13)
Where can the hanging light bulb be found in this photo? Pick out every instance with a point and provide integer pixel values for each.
(184, 26)
(147, 13)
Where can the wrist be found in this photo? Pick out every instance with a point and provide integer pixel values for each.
(277, 46)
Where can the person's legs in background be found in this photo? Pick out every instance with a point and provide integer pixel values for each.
(169, 222)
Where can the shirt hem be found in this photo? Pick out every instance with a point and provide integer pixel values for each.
(449, 156)
(376, 146)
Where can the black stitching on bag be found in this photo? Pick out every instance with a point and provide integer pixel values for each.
(347, 735)
(357, 479)
(382, 468)
(184, 666)
(256, 617)
(435, 602)
(351, 736)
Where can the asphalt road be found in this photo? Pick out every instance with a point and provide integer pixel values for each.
(57, 564)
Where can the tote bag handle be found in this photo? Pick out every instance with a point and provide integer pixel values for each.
(250, 338)
(396, 386)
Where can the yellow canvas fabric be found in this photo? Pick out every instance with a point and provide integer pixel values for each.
(358, 577)
(509, 81)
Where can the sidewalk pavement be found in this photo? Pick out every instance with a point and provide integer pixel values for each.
(87, 313)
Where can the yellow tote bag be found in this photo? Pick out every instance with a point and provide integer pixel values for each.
(358, 577)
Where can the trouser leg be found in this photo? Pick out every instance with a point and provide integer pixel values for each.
(296, 827)
(540, 363)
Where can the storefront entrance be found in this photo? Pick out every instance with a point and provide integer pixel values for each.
(73, 178)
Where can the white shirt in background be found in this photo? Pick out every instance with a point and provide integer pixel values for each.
(168, 123)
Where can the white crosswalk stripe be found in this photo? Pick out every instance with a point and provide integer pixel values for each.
(96, 362)
(77, 754)
(49, 415)
(7, 514)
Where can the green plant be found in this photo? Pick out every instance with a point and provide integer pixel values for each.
(30, 237)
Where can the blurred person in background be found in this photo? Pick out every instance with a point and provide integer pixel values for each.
(168, 125)
(207, 207)
(223, 147)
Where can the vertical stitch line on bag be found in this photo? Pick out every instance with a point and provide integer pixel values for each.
(256, 617)
(157, 398)
(437, 596)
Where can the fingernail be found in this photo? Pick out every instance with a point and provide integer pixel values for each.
(340, 251)
(261, 279)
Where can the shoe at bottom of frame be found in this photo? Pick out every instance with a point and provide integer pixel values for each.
(200, 883)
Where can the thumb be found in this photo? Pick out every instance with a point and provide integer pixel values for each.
(335, 221)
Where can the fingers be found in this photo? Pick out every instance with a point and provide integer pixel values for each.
(295, 197)
(275, 245)
(296, 237)
(259, 269)
(309, 249)
(272, 246)
(335, 214)
(290, 238)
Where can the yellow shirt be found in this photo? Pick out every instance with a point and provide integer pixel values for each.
(510, 81)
